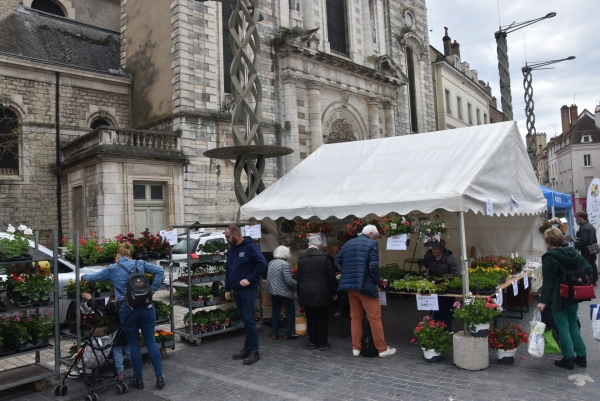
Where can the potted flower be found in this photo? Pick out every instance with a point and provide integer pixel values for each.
(554, 222)
(163, 311)
(305, 227)
(301, 322)
(16, 245)
(355, 227)
(433, 338)
(15, 332)
(393, 226)
(29, 286)
(506, 341)
(431, 232)
(477, 313)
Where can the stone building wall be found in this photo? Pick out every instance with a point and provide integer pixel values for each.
(7, 7)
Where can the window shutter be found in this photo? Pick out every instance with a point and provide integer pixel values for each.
(227, 54)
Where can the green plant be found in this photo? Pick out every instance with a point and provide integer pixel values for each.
(476, 310)
(39, 326)
(213, 247)
(432, 334)
(395, 226)
(482, 280)
(549, 223)
(305, 227)
(14, 331)
(507, 338)
(455, 283)
(89, 250)
(197, 291)
(427, 229)
(162, 309)
(17, 243)
(301, 313)
(34, 285)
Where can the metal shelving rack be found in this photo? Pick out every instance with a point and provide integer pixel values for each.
(36, 372)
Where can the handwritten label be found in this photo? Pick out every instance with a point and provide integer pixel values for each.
(499, 298)
(253, 231)
(526, 282)
(396, 242)
(427, 302)
(382, 299)
(489, 208)
(170, 236)
(515, 286)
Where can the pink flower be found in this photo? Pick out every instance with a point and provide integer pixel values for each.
(456, 305)
(426, 318)
(413, 341)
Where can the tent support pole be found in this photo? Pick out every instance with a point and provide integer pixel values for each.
(552, 211)
(463, 253)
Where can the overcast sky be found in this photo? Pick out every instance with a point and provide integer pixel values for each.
(572, 32)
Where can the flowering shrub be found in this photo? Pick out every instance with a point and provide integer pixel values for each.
(395, 226)
(428, 229)
(31, 284)
(355, 226)
(507, 338)
(432, 334)
(511, 265)
(305, 227)
(17, 243)
(476, 310)
(548, 224)
(91, 251)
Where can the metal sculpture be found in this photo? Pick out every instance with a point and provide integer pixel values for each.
(527, 81)
(502, 51)
(249, 149)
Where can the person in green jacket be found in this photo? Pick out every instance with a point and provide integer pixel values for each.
(554, 263)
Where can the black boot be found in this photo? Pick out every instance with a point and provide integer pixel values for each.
(138, 382)
(567, 363)
(581, 361)
(252, 358)
(243, 354)
(160, 381)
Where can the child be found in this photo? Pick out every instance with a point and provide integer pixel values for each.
(110, 309)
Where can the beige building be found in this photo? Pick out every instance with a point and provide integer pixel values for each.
(574, 156)
(144, 91)
(461, 98)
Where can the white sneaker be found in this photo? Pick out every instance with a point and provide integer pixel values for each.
(355, 352)
(388, 352)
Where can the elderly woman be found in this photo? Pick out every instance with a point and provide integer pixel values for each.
(555, 262)
(439, 261)
(281, 285)
(316, 291)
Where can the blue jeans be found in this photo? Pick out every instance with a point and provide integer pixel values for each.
(245, 300)
(118, 356)
(144, 320)
(289, 316)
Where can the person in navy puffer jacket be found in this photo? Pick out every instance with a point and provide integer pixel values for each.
(243, 274)
(359, 262)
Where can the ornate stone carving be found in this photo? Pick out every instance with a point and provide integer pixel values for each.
(227, 104)
(341, 131)
(345, 98)
(295, 5)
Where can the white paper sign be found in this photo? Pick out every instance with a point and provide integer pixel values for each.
(253, 231)
(322, 236)
(499, 298)
(526, 282)
(515, 285)
(427, 302)
(170, 236)
(396, 242)
(382, 299)
(489, 208)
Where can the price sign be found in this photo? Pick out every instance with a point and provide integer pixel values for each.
(526, 281)
(489, 208)
(170, 236)
(253, 231)
(427, 302)
(397, 242)
(499, 298)
(382, 299)
(515, 285)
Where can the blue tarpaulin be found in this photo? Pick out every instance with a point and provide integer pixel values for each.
(557, 199)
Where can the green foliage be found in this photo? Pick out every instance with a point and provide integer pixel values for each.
(33, 285)
(162, 309)
(476, 310)
(16, 244)
(214, 247)
(432, 334)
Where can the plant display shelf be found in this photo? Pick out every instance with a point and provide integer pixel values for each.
(162, 347)
(197, 338)
(36, 372)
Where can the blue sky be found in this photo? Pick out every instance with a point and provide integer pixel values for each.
(572, 32)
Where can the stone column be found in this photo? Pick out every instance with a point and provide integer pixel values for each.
(373, 107)
(367, 36)
(290, 117)
(314, 115)
(390, 126)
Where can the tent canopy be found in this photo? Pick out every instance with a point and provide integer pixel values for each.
(556, 198)
(455, 170)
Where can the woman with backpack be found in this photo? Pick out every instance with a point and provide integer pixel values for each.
(136, 318)
(555, 263)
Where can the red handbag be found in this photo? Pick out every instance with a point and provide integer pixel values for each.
(576, 287)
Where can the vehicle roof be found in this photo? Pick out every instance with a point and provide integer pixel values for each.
(197, 235)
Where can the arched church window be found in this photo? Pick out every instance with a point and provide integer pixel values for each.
(226, 48)
(9, 143)
(48, 6)
(336, 25)
(412, 89)
(99, 122)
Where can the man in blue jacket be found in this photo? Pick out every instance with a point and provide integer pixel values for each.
(245, 266)
(359, 262)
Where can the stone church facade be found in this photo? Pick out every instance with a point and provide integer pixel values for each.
(133, 129)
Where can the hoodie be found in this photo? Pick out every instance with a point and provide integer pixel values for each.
(554, 263)
(244, 261)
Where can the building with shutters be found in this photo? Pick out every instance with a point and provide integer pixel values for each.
(143, 91)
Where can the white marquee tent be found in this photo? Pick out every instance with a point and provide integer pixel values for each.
(458, 170)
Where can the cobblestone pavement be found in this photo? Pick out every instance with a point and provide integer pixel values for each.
(288, 370)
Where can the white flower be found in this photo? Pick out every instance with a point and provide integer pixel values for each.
(28, 232)
(22, 227)
(10, 229)
(393, 225)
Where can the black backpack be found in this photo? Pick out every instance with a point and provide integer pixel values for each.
(368, 347)
(139, 292)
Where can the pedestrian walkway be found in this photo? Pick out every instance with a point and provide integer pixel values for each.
(288, 370)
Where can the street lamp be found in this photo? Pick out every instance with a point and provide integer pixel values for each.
(527, 79)
(249, 149)
(502, 50)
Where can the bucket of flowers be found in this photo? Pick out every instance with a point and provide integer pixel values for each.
(431, 232)
(477, 313)
(506, 341)
(433, 338)
(554, 222)
(397, 228)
